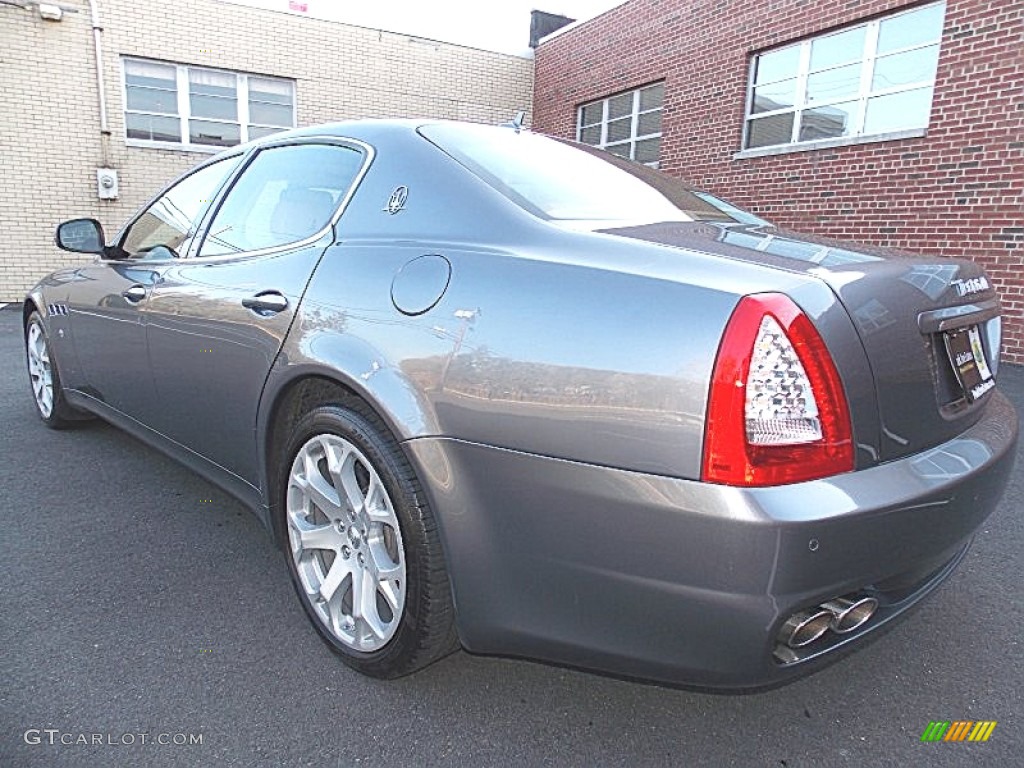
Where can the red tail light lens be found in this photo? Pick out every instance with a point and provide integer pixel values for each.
(777, 412)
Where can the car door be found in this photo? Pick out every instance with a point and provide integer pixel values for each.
(216, 321)
(108, 298)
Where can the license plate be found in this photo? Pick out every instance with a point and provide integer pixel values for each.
(967, 355)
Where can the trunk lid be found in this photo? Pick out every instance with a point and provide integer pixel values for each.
(907, 311)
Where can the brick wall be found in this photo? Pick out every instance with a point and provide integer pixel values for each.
(50, 142)
(957, 191)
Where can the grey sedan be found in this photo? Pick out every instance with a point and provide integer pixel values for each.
(493, 390)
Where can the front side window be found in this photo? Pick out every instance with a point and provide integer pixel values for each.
(871, 79)
(627, 125)
(285, 195)
(195, 107)
(166, 228)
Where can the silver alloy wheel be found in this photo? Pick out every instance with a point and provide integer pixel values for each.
(346, 543)
(39, 369)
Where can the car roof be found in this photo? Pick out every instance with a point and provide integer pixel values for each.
(366, 129)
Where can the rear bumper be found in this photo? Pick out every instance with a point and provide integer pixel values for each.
(684, 582)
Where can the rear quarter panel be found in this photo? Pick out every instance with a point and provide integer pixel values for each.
(535, 351)
(575, 345)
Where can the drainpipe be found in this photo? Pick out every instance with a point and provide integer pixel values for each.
(97, 44)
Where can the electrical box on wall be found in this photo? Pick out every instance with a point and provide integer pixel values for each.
(106, 183)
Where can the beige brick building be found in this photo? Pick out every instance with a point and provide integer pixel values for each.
(50, 139)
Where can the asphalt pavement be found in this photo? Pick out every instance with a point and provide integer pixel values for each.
(140, 603)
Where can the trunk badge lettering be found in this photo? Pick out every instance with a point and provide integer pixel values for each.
(971, 285)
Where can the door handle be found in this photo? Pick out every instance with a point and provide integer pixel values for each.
(266, 303)
(135, 294)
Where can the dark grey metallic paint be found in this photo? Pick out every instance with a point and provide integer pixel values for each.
(550, 386)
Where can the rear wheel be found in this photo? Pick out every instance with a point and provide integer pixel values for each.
(51, 406)
(362, 544)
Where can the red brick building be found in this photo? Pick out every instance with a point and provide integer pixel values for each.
(884, 121)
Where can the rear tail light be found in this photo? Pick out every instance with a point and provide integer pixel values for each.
(777, 412)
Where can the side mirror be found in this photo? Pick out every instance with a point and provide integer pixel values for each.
(81, 236)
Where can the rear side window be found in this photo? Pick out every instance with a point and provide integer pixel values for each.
(286, 195)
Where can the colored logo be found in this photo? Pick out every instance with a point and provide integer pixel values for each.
(958, 730)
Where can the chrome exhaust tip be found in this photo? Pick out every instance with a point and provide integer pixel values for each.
(849, 613)
(805, 627)
(785, 655)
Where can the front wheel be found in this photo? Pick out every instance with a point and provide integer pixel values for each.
(362, 544)
(51, 406)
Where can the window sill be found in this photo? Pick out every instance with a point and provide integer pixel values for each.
(194, 148)
(845, 141)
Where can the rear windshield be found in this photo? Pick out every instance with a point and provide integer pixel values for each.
(565, 181)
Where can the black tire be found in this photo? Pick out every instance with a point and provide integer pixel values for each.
(61, 415)
(425, 629)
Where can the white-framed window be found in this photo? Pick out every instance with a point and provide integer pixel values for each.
(865, 80)
(627, 125)
(200, 108)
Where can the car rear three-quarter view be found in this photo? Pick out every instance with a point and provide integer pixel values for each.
(492, 389)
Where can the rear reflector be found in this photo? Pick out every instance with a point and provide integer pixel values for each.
(777, 412)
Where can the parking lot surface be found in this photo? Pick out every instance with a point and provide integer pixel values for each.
(139, 599)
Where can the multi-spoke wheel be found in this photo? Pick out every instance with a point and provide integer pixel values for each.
(362, 544)
(45, 379)
(346, 542)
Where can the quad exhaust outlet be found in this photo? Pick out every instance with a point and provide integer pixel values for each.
(848, 613)
(805, 627)
(840, 615)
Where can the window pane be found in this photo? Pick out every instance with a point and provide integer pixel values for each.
(152, 100)
(271, 114)
(718, 207)
(167, 226)
(619, 129)
(648, 151)
(920, 26)
(781, 95)
(840, 48)
(898, 111)
(592, 113)
(591, 135)
(615, 117)
(649, 123)
(793, 249)
(917, 66)
(259, 131)
(828, 122)
(270, 91)
(151, 75)
(652, 97)
(767, 131)
(555, 180)
(285, 195)
(777, 64)
(214, 134)
(620, 105)
(153, 127)
(214, 107)
(834, 83)
(211, 83)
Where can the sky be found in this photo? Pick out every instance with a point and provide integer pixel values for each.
(502, 25)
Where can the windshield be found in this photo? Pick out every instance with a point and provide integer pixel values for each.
(564, 181)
